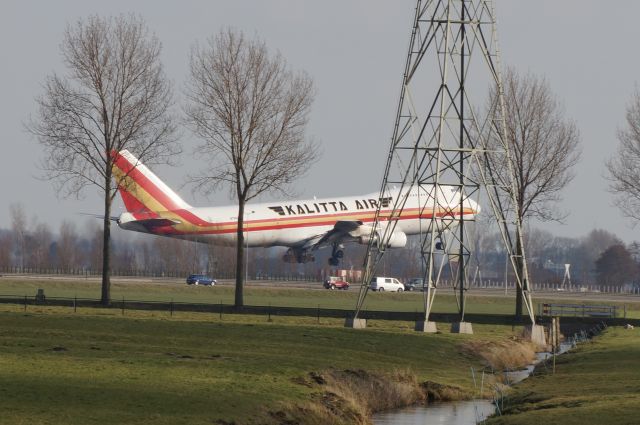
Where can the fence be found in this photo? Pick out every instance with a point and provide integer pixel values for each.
(577, 310)
(220, 309)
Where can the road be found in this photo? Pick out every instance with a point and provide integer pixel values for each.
(304, 285)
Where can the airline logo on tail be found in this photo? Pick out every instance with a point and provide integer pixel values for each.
(150, 203)
(141, 190)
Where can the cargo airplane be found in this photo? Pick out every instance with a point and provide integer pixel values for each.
(302, 226)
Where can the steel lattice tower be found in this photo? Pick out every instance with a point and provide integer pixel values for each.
(448, 145)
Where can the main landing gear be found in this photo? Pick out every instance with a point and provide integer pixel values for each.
(336, 254)
(298, 256)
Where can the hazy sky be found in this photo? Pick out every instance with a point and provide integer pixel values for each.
(355, 51)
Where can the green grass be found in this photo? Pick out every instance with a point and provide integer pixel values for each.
(178, 291)
(98, 367)
(599, 383)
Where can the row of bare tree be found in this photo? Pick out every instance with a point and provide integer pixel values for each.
(599, 257)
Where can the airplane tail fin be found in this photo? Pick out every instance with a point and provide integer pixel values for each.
(141, 190)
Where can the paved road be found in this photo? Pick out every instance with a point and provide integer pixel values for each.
(483, 292)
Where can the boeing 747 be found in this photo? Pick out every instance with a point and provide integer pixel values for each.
(303, 226)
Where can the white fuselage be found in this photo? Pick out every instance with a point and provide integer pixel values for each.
(293, 223)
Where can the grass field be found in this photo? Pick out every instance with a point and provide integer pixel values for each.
(275, 296)
(98, 367)
(598, 383)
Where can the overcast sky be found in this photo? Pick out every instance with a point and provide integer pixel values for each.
(355, 52)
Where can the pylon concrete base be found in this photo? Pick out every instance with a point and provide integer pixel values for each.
(355, 323)
(426, 327)
(461, 328)
(535, 334)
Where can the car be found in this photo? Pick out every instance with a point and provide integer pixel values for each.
(415, 284)
(200, 279)
(382, 284)
(336, 282)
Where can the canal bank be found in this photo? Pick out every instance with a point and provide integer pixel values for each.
(598, 382)
(471, 412)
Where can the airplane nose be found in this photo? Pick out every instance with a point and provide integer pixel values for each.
(474, 206)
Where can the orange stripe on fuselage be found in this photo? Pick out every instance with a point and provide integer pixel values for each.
(325, 220)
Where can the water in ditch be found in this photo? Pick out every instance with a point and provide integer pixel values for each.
(458, 412)
(445, 413)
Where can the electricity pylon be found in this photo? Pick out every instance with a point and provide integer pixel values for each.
(449, 145)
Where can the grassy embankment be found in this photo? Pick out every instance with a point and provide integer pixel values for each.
(598, 383)
(98, 367)
(276, 296)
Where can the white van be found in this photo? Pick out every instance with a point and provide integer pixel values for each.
(386, 284)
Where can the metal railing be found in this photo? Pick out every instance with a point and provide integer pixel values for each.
(577, 310)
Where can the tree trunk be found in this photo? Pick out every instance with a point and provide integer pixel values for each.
(239, 299)
(106, 242)
(520, 277)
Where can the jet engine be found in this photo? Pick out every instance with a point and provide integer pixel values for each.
(397, 240)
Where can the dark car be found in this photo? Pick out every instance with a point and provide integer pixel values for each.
(414, 284)
(200, 279)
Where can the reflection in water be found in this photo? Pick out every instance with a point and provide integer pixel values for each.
(453, 413)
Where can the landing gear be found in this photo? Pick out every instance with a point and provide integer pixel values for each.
(336, 254)
(298, 256)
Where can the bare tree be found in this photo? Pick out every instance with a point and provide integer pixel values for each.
(251, 112)
(92, 256)
(115, 96)
(624, 167)
(41, 241)
(5, 250)
(544, 147)
(19, 231)
(67, 246)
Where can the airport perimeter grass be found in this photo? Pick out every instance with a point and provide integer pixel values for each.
(98, 367)
(598, 383)
(163, 290)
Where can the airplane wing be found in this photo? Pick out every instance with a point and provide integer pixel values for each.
(157, 222)
(145, 223)
(344, 230)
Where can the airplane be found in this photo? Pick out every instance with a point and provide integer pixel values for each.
(303, 226)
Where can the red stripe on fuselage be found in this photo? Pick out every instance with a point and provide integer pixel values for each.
(328, 222)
